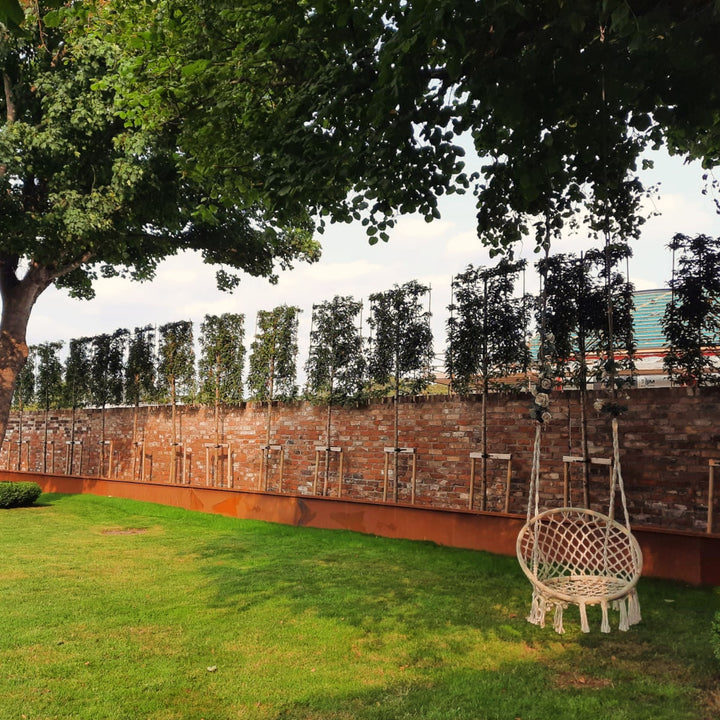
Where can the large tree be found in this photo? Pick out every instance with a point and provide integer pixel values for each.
(304, 100)
(84, 194)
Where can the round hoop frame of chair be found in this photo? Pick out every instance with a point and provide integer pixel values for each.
(580, 557)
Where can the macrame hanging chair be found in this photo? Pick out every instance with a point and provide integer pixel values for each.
(575, 556)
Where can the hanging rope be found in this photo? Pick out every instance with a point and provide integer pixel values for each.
(533, 494)
(617, 478)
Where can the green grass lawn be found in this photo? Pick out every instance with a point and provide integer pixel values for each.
(118, 609)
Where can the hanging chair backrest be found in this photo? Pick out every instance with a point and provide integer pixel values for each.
(574, 552)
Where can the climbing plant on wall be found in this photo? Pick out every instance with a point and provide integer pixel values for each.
(691, 322)
(222, 359)
(401, 350)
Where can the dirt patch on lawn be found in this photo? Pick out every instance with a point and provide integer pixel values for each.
(575, 680)
(124, 531)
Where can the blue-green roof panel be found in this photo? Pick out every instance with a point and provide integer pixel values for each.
(647, 318)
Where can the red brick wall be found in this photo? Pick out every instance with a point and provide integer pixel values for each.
(667, 438)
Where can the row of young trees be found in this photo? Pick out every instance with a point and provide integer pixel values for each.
(586, 305)
(153, 365)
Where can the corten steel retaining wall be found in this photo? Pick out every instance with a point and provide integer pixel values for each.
(688, 557)
(668, 437)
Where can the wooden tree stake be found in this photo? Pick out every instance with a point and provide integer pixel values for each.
(568, 460)
(326, 450)
(396, 452)
(265, 471)
(174, 459)
(69, 456)
(712, 464)
(110, 458)
(212, 480)
(507, 457)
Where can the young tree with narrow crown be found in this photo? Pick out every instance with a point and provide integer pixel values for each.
(691, 322)
(486, 337)
(273, 355)
(273, 363)
(176, 362)
(49, 377)
(336, 365)
(176, 374)
(141, 367)
(222, 359)
(401, 348)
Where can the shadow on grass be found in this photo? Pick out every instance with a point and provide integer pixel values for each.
(48, 499)
(360, 577)
(366, 579)
(521, 689)
(421, 590)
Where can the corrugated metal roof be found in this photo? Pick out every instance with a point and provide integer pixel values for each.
(647, 317)
(647, 320)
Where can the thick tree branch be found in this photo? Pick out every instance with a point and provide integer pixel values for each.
(10, 109)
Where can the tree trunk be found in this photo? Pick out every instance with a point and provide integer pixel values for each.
(396, 459)
(173, 456)
(328, 435)
(485, 388)
(216, 471)
(584, 449)
(18, 298)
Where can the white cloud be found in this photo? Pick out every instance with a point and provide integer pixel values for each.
(466, 244)
(430, 252)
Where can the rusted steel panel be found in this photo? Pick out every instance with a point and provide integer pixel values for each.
(689, 557)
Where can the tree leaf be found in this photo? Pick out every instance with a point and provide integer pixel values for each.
(10, 11)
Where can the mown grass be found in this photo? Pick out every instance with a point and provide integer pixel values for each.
(117, 609)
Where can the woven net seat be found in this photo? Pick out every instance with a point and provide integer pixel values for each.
(580, 557)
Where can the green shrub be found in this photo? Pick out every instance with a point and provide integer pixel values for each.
(715, 635)
(18, 494)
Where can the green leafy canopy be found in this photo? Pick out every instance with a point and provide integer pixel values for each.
(301, 103)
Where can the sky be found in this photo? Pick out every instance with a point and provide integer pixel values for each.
(184, 288)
